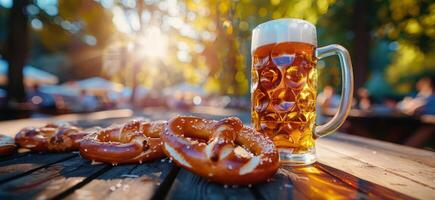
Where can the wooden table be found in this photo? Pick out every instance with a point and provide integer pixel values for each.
(348, 167)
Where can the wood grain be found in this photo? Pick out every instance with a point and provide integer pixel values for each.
(22, 165)
(49, 181)
(348, 167)
(412, 163)
(190, 187)
(125, 182)
(381, 163)
(409, 153)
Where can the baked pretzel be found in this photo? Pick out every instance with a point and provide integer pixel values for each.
(50, 138)
(133, 142)
(234, 154)
(7, 145)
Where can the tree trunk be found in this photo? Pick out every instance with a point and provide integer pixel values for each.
(136, 62)
(361, 42)
(17, 50)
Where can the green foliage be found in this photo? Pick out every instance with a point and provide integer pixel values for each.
(228, 56)
(408, 24)
(412, 24)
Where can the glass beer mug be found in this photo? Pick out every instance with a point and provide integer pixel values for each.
(284, 87)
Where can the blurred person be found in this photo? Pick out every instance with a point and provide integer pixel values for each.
(105, 101)
(177, 101)
(328, 99)
(423, 102)
(60, 104)
(421, 136)
(364, 101)
(390, 102)
(426, 131)
(39, 99)
(88, 101)
(428, 90)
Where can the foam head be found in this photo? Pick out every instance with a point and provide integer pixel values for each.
(283, 30)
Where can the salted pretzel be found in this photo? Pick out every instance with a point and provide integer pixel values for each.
(7, 145)
(233, 153)
(133, 142)
(50, 138)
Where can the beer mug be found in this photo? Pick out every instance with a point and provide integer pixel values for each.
(284, 87)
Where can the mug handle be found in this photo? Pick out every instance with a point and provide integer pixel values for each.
(346, 88)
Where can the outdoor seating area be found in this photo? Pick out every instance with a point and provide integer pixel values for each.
(229, 99)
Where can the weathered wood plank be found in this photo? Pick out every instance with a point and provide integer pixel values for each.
(49, 181)
(165, 186)
(398, 161)
(420, 156)
(125, 182)
(342, 158)
(13, 156)
(331, 155)
(22, 165)
(189, 186)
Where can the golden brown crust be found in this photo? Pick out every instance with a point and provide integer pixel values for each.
(7, 145)
(50, 138)
(133, 142)
(234, 154)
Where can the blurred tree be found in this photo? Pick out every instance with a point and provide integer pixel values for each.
(65, 26)
(80, 30)
(232, 22)
(400, 34)
(142, 47)
(208, 42)
(225, 28)
(223, 47)
(4, 32)
(361, 41)
(17, 51)
(410, 25)
(362, 27)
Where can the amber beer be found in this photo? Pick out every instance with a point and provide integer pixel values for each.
(284, 87)
(284, 95)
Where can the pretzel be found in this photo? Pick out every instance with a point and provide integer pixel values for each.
(7, 145)
(133, 142)
(50, 138)
(234, 154)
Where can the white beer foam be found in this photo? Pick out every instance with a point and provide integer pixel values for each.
(283, 30)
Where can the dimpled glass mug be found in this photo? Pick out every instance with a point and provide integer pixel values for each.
(284, 87)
